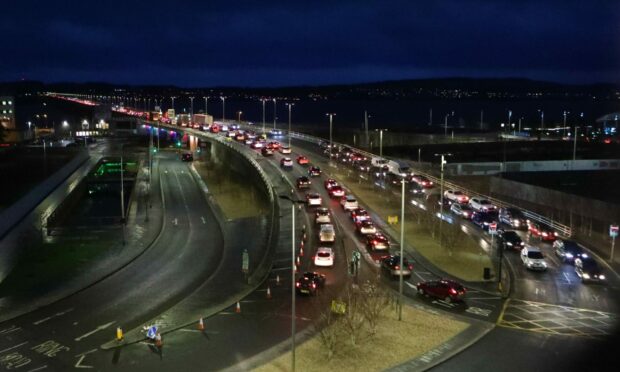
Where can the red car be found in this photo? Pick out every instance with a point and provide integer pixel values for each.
(274, 145)
(377, 241)
(359, 214)
(541, 231)
(444, 289)
(336, 191)
(302, 160)
(329, 183)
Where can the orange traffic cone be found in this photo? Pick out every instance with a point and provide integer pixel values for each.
(238, 308)
(268, 293)
(201, 325)
(278, 279)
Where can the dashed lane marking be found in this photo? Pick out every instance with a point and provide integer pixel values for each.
(13, 347)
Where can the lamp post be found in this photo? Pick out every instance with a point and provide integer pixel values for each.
(293, 312)
(274, 113)
(402, 245)
(521, 118)
(446, 123)
(172, 98)
(122, 196)
(443, 162)
(191, 107)
(331, 120)
(223, 108)
(509, 117)
(381, 140)
(206, 104)
(565, 113)
(239, 116)
(289, 105)
(542, 119)
(263, 100)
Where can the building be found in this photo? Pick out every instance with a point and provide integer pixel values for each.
(7, 112)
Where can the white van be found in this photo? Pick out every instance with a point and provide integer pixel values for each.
(399, 168)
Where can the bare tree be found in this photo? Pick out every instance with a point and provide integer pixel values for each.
(353, 320)
(330, 332)
(452, 235)
(373, 302)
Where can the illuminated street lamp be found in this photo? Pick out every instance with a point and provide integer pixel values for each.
(565, 113)
(441, 201)
(331, 119)
(263, 100)
(223, 108)
(239, 116)
(542, 119)
(191, 106)
(381, 140)
(274, 113)
(446, 123)
(290, 105)
(206, 104)
(172, 98)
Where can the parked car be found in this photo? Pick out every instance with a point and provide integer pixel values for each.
(313, 199)
(568, 250)
(303, 182)
(541, 231)
(462, 210)
(309, 283)
(444, 289)
(391, 266)
(377, 242)
(588, 270)
(512, 217)
(286, 163)
(322, 215)
(324, 257)
(481, 205)
(314, 172)
(510, 238)
(533, 258)
(456, 196)
(348, 202)
(327, 234)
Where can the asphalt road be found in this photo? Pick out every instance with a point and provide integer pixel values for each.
(184, 256)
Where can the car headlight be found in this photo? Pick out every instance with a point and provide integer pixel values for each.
(544, 264)
(569, 255)
(601, 277)
(586, 276)
(509, 244)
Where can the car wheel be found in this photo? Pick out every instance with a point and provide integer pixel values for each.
(447, 299)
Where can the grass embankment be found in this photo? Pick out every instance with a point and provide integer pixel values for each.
(236, 197)
(465, 260)
(394, 343)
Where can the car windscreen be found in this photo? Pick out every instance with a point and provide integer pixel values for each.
(323, 254)
(511, 235)
(590, 265)
(535, 255)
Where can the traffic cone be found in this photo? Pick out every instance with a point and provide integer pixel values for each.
(158, 340)
(304, 237)
(119, 334)
(268, 293)
(201, 325)
(238, 308)
(301, 250)
(303, 228)
(298, 262)
(278, 279)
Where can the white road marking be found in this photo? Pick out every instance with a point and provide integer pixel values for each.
(86, 353)
(281, 268)
(483, 298)
(419, 276)
(444, 304)
(567, 278)
(9, 330)
(78, 364)
(38, 368)
(203, 220)
(411, 285)
(478, 311)
(99, 328)
(53, 316)
(13, 347)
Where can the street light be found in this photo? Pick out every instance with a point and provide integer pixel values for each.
(263, 100)
(443, 162)
(509, 117)
(446, 123)
(331, 119)
(381, 140)
(191, 106)
(293, 312)
(274, 113)
(565, 113)
(223, 108)
(239, 116)
(289, 105)
(206, 104)
(122, 196)
(402, 245)
(542, 119)
(172, 98)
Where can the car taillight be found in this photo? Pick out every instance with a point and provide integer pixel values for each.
(313, 285)
(396, 267)
(410, 267)
(297, 284)
(544, 234)
(374, 242)
(452, 291)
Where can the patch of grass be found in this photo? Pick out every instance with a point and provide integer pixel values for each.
(394, 343)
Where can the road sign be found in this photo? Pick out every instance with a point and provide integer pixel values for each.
(613, 231)
(493, 228)
(339, 307)
(151, 332)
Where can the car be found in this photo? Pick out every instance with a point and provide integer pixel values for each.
(240, 137)
(275, 145)
(324, 257)
(303, 182)
(266, 151)
(391, 266)
(359, 214)
(533, 258)
(249, 141)
(422, 181)
(322, 215)
(285, 150)
(313, 199)
(366, 227)
(483, 220)
(510, 238)
(286, 163)
(588, 270)
(314, 172)
(275, 133)
(257, 145)
(512, 217)
(302, 160)
(379, 172)
(348, 202)
(462, 210)
(329, 183)
(444, 289)
(569, 250)
(327, 234)
(541, 231)
(377, 242)
(309, 283)
(187, 156)
(363, 166)
(456, 196)
(336, 191)
(481, 205)
(415, 189)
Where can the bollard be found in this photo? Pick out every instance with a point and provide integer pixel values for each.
(278, 279)
(238, 308)
(201, 325)
(119, 334)
(268, 293)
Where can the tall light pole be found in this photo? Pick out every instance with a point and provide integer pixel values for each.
(122, 196)
(239, 116)
(293, 312)
(223, 108)
(206, 104)
(381, 140)
(289, 105)
(402, 245)
(446, 123)
(331, 120)
(274, 113)
(172, 98)
(565, 113)
(191, 107)
(443, 162)
(263, 100)
(542, 119)
(521, 118)
(366, 127)
(509, 117)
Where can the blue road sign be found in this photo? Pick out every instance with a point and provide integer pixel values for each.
(151, 332)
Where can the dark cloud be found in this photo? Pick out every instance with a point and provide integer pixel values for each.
(280, 43)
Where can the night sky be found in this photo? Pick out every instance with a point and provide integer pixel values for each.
(275, 43)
